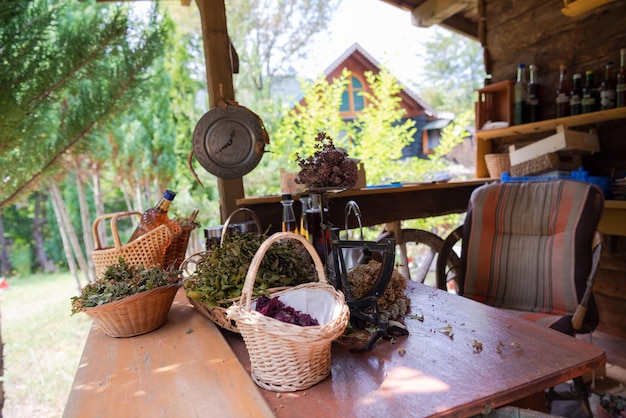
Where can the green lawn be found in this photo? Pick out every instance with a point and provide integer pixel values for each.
(42, 344)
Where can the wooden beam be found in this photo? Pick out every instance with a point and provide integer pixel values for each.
(219, 71)
(433, 12)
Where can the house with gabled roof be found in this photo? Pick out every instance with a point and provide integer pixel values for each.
(427, 121)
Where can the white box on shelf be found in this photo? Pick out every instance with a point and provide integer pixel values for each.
(563, 140)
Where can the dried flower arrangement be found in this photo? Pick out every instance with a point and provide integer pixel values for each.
(327, 167)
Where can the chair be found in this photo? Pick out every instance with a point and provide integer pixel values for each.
(531, 248)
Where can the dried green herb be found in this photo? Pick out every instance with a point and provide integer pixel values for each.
(221, 274)
(120, 281)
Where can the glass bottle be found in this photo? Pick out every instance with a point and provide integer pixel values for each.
(305, 201)
(520, 93)
(620, 88)
(155, 216)
(575, 101)
(588, 100)
(533, 95)
(562, 94)
(289, 217)
(607, 88)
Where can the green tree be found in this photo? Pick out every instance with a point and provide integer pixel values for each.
(269, 37)
(453, 70)
(61, 78)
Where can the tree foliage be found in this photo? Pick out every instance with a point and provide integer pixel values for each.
(453, 70)
(75, 67)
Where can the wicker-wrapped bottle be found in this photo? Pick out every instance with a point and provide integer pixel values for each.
(155, 216)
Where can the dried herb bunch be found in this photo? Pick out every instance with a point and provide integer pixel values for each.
(327, 167)
(221, 273)
(120, 281)
(393, 303)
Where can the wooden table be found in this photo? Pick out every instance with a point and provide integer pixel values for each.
(188, 368)
(379, 205)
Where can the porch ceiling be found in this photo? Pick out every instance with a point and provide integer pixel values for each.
(460, 16)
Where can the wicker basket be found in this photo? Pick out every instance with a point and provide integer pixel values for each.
(497, 164)
(217, 314)
(176, 251)
(135, 315)
(149, 249)
(286, 357)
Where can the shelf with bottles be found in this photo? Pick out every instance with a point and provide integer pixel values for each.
(551, 124)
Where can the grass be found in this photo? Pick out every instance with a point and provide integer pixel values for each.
(42, 344)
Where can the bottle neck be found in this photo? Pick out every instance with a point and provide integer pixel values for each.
(164, 204)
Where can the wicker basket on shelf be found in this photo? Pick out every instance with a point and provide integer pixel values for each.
(497, 164)
(217, 314)
(135, 315)
(286, 357)
(149, 249)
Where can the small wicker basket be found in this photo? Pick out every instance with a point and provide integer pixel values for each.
(148, 249)
(135, 315)
(286, 357)
(497, 164)
(217, 314)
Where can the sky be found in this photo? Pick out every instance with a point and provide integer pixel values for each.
(383, 30)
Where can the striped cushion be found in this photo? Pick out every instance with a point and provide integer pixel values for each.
(527, 246)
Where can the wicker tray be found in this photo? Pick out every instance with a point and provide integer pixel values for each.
(547, 162)
(217, 314)
(286, 357)
(149, 249)
(135, 315)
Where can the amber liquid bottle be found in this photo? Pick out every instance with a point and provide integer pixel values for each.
(620, 88)
(289, 217)
(154, 217)
(562, 94)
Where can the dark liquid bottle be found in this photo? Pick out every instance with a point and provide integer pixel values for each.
(620, 88)
(562, 94)
(607, 88)
(520, 96)
(588, 97)
(575, 101)
(533, 95)
(154, 217)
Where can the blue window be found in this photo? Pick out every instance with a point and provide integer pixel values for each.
(352, 100)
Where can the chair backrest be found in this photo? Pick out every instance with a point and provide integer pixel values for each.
(527, 246)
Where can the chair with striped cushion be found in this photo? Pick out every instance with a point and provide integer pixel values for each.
(528, 248)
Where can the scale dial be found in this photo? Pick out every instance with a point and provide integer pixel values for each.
(229, 141)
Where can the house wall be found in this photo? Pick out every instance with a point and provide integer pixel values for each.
(536, 32)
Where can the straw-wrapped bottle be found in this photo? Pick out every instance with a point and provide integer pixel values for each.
(154, 217)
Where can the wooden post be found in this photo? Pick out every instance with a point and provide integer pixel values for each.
(219, 72)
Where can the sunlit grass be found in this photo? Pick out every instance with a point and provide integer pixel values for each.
(42, 344)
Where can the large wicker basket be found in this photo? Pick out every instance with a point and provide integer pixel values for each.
(135, 315)
(217, 314)
(286, 357)
(148, 249)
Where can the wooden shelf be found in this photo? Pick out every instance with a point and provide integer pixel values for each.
(551, 124)
(612, 221)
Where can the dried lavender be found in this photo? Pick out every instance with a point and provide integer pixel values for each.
(327, 167)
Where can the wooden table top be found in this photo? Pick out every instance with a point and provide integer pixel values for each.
(188, 368)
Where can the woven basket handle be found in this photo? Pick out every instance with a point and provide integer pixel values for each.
(252, 214)
(114, 231)
(248, 286)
